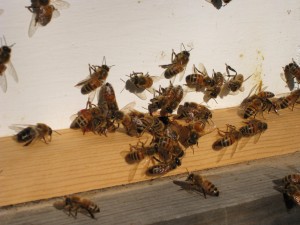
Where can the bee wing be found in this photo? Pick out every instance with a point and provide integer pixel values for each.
(202, 69)
(19, 127)
(3, 82)
(141, 95)
(180, 75)
(225, 90)
(92, 95)
(60, 4)
(151, 90)
(234, 148)
(132, 171)
(11, 70)
(155, 78)
(129, 107)
(55, 13)
(33, 26)
(166, 66)
(288, 79)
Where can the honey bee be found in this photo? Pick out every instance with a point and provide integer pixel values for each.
(192, 111)
(96, 79)
(199, 80)
(203, 185)
(32, 133)
(43, 11)
(252, 128)
(291, 195)
(139, 152)
(292, 178)
(229, 137)
(214, 90)
(139, 82)
(6, 65)
(83, 119)
(288, 101)
(163, 167)
(75, 203)
(291, 72)
(153, 125)
(178, 64)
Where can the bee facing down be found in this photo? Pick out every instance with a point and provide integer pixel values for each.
(43, 11)
(6, 65)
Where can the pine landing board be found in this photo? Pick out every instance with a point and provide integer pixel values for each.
(74, 162)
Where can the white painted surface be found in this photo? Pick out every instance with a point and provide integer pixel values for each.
(251, 36)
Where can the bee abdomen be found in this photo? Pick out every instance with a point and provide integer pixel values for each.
(247, 131)
(212, 189)
(86, 89)
(250, 111)
(25, 135)
(222, 143)
(133, 157)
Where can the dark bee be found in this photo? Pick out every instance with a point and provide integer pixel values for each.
(6, 65)
(96, 79)
(164, 167)
(291, 194)
(253, 127)
(43, 11)
(32, 133)
(291, 72)
(178, 64)
(203, 185)
(218, 3)
(230, 136)
(75, 203)
(139, 82)
(215, 89)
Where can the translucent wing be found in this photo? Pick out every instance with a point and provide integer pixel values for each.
(225, 90)
(155, 78)
(82, 82)
(11, 70)
(129, 107)
(20, 127)
(60, 4)
(180, 75)
(141, 95)
(151, 90)
(3, 82)
(202, 69)
(92, 95)
(55, 13)
(288, 79)
(33, 26)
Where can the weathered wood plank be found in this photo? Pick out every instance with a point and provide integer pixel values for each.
(246, 197)
(74, 162)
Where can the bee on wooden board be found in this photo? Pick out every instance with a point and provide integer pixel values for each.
(291, 72)
(192, 111)
(214, 90)
(43, 11)
(6, 65)
(31, 133)
(287, 101)
(292, 178)
(96, 79)
(291, 194)
(229, 137)
(253, 127)
(203, 185)
(164, 167)
(75, 203)
(138, 82)
(199, 80)
(178, 64)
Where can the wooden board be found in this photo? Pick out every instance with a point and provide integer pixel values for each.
(74, 162)
(246, 197)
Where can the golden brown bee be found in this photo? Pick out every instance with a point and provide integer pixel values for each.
(164, 167)
(139, 82)
(203, 185)
(215, 89)
(139, 152)
(292, 178)
(96, 79)
(107, 97)
(75, 203)
(178, 64)
(6, 65)
(84, 118)
(253, 128)
(288, 101)
(229, 137)
(199, 80)
(43, 11)
(192, 111)
(32, 133)
(153, 125)
(291, 72)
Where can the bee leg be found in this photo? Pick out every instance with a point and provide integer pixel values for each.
(91, 214)
(204, 192)
(45, 140)
(28, 143)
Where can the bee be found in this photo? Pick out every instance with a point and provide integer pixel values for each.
(163, 167)
(139, 82)
(83, 119)
(178, 64)
(199, 79)
(229, 137)
(203, 185)
(192, 111)
(252, 128)
(96, 79)
(75, 203)
(32, 133)
(153, 125)
(291, 195)
(215, 89)
(292, 178)
(288, 101)
(291, 72)
(43, 11)
(6, 65)
(107, 97)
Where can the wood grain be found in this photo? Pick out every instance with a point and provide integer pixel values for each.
(73, 162)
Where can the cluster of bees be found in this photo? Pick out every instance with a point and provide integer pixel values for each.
(171, 133)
